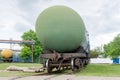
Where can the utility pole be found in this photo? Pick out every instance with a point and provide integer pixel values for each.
(11, 43)
(32, 51)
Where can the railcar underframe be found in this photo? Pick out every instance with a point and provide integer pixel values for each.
(64, 60)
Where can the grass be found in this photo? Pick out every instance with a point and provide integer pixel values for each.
(90, 70)
(3, 66)
(101, 70)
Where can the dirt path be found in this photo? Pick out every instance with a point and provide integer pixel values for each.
(62, 77)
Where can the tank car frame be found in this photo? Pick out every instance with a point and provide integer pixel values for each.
(75, 61)
(7, 59)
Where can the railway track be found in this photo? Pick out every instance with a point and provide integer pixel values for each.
(56, 73)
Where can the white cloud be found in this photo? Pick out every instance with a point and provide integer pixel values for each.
(10, 16)
(101, 17)
(100, 40)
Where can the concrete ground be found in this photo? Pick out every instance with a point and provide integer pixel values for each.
(60, 77)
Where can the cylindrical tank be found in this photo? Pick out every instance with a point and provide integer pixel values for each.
(60, 28)
(6, 53)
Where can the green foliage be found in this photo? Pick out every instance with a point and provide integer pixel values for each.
(112, 49)
(30, 35)
(37, 47)
(38, 50)
(26, 52)
(95, 53)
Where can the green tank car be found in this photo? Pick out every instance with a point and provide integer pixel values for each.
(62, 32)
(60, 28)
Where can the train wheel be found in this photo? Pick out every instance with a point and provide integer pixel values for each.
(73, 64)
(86, 62)
(48, 66)
(81, 63)
(78, 63)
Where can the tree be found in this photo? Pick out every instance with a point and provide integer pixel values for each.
(112, 49)
(26, 53)
(95, 53)
(38, 49)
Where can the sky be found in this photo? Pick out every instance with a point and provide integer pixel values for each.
(101, 17)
